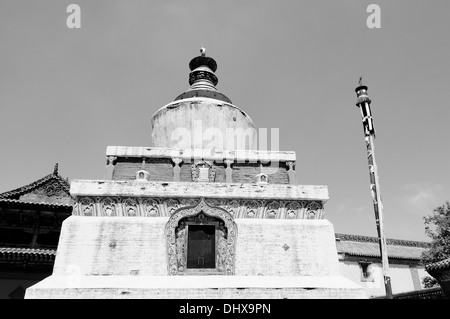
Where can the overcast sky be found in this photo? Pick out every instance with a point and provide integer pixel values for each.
(66, 94)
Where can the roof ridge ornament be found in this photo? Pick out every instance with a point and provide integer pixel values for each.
(55, 169)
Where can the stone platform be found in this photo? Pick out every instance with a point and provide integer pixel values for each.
(196, 287)
(126, 257)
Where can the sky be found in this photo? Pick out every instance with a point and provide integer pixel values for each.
(66, 94)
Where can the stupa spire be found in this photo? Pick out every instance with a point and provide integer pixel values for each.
(202, 79)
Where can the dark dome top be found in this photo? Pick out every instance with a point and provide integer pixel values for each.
(203, 61)
(202, 79)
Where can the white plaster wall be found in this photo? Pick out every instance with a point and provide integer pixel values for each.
(125, 257)
(401, 278)
(112, 246)
(312, 249)
(352, 271)
(137, 246)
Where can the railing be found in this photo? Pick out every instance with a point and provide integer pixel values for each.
(428, 293)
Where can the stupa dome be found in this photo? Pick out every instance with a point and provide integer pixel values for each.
(202, 117)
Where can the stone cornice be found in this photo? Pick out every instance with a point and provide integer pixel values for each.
(198, 189)
(190, 154)
(116, 206)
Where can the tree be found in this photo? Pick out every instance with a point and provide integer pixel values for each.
(429, 282)
(437, 227)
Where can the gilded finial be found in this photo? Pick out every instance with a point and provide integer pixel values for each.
(360, 81)
(203, 51)
(55, 169)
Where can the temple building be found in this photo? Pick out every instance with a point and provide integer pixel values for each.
(360, 261)
(202, 213)
(30, 222)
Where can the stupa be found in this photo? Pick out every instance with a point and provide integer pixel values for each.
(202, 213)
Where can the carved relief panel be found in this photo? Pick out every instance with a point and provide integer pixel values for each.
(160, 207)
(108, 207)
(150, 207)
(185, 256)
(203, 171)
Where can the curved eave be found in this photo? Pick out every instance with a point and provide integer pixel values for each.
(39, 205)
(30, 187)
(27, 254)
(375, 240)
(379, 256)
(440, 265)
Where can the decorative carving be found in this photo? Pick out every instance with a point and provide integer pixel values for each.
(252, 208)
(110, 160)
(272, 209)
(177, 169)
(202, 75)
(188, 202)
(233, 207)
(171, 205)
(291, 173)
(42, 193)
(108, 207)
(292, 210)
(109, 170)
(142, 175)
(130, 206)
(221, 248)
(203, 171)
(150, 208)
(155, 207)
(290, 165)
(215, 202)
(181, 247)
(262, 178)
(225, 247)
(228, 171)
(86, 207)
(228, 162)
(313, 210)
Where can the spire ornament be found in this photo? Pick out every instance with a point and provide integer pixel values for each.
(202, 79)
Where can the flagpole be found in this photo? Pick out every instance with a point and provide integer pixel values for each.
(363, 102)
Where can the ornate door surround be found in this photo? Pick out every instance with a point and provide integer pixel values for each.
(177, 235)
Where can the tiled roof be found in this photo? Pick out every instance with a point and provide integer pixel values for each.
(34, 251)
(389, 241)
(443, 264)
(27, 254)
(15, 202)
(366, 246)
(50, 178)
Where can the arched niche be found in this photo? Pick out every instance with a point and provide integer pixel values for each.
(193, 229)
